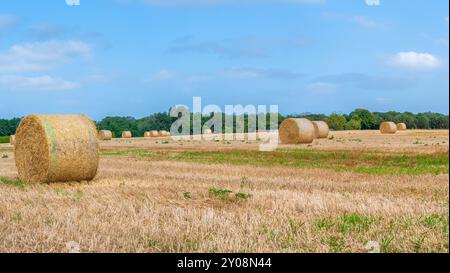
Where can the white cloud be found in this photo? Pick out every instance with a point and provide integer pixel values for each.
(162, 75)
(39, 83)
(7, 21)
(373, 2)
(364, 21)
(414, 61)
(41, 56)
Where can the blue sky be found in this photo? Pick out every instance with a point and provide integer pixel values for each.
(137, 57)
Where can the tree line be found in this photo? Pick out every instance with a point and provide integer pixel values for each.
(360, 119)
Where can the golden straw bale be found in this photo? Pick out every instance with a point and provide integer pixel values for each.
(105, 135)
(388, 127)
(127, 134)
(296, 131)
(56, 148)
(321, 129)
(401, 127)
(12, 139)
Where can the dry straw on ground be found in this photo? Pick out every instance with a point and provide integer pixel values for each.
(401, 127)
(388, 127)
(56, 148)
(321, 129)
(12, 139)
(127, 134)
(295, 131)
(105, 135)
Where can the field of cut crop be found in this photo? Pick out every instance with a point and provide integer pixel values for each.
(342, 194)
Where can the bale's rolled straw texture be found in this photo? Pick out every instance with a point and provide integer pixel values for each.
(127, 134)
(12, 139)
(321, 129)
(147, 134)
(388, 128)
(56, 148)
(105, 135)
(401, 127)
(296, 130)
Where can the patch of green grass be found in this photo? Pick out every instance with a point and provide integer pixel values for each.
(4, 156)
(4, 139)
(346, 223)
(335, 244)
(371, 162)
(187, 195)
(436, 221)
(241, 195)
(220, 193)
(16, 182)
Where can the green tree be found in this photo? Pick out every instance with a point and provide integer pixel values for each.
(423, 122)
(368, 119)
(353, 124)
(336, 122)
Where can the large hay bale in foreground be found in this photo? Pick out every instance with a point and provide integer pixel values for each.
(105, 135)
(388, 127)
(296, 131)
(12, 139)
(127, 134)
(401, 127)
(321, 129)
(56, 148)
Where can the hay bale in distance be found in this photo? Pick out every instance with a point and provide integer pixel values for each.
(127, 134)
(147, 134)
(164, 133)
(105, 135)
(56, 148)
(401, 127)
(12, 139)
(296, 131)
(207, 131)
(388, 127)
(154, 133)
(321, 129)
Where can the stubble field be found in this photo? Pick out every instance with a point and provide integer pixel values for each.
(339, 194)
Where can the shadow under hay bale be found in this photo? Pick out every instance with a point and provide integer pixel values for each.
(56, 148)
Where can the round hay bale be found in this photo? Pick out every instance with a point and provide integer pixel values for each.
(401, 127)
(56, 148)
(164, 133)
(296, 130)
(321, 129)
(147, 134)
(207, 131)
(154, 133)
(105, 135)
(127, 134)
(388, 127)
(12, 139)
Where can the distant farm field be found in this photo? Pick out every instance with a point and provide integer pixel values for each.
(341, 194)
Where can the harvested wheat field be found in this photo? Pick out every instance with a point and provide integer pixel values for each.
(159, 195)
